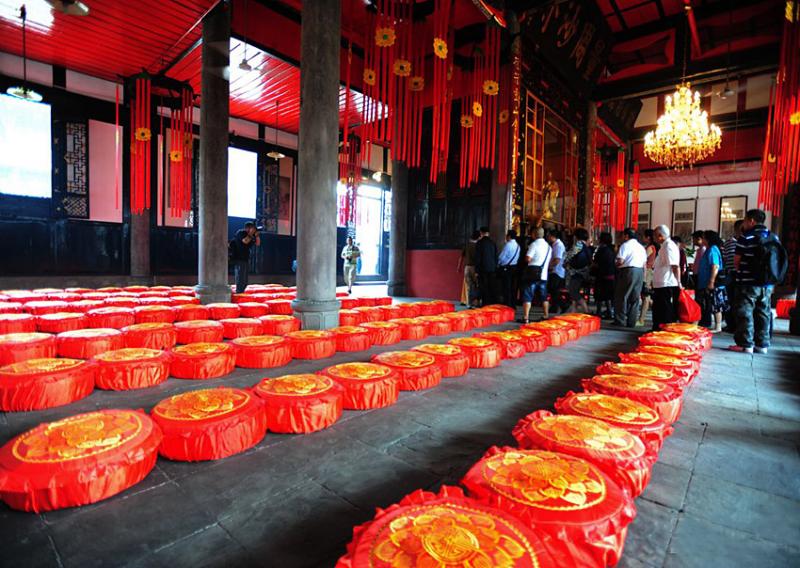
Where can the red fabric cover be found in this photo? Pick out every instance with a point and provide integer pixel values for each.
(637, 418)
(154, 303)
(279, 324)
(199, 331)
(367, 302)
(506, 313)
(202, 360)
(223, 310)
(383, 332)
(10, 308)
(262, 351)
(60, 322)
(83, 306)
(658, 395)
(581, 512)
(45, 307)
(452, 360)
(253, 309)
(365, 385)
(459, 321)
(112, 317)
(371, 313)
(618, 453)
(312, 344)
(352, 338)
(688, 309)
(583, 327)
(86, 343)
(298, 404)
(410, 310)
(16, 347)
(96, 296)
(555, 335)
(571, 327)
(417, 370)
(412, 328)
(35, 384)
(437, 325)
(642, 370)
(178, 301)
(696, 332)
(592, 321)
(685, 369)
(391, 312)
(493, 316)
(191, 312)
(131, 368)
(446, 307)
(150, 335)
(240, 327)
(154, 314)
(512, 346)
(383, 301)
(783, 306)
(483, 353)
(280, 307)
(672, 352)
(480, 318)
(668, 339)
(348, 303)
(350, 317)
(121, 302)
(445, 530)
(536, 340)
(429, 308)
(17, 323)
(210, 424)
(79, 460)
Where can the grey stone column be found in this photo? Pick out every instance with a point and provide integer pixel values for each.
(398, 238)
(212, 269)
(140, 245)
(317, 166)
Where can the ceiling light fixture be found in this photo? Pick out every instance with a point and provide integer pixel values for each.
(244, 65)
(23, 92)
(276, 154)
(70, 7)
(683, 134)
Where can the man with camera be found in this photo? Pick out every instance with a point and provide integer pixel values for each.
(239, 249)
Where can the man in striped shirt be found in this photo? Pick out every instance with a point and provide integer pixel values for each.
(728, 254)
(752, 304)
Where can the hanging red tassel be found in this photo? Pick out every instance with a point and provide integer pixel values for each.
(620, 192)
(635, 196)
(442, 96)
(141, 135)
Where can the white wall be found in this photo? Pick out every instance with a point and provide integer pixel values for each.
(708, 200)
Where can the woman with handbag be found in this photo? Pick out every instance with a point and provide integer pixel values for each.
(711, 291)
(666, 279)
(534, 277)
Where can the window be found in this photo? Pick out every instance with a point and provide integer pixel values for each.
(242, 185)
(683, 211)
(645, 211)
(25, 148)
(731, 209)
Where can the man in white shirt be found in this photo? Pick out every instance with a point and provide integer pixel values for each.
(534, 279)
(630, 262)
(555, 279)
(666, 279)
(506, 265)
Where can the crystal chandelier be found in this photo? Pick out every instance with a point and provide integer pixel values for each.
(683, 135)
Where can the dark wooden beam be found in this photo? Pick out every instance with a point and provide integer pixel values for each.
(758, 60)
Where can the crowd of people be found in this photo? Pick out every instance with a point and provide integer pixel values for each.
(645, 274)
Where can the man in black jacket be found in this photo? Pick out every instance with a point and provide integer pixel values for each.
(485, 266)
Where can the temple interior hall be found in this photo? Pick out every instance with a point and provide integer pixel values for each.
(399, 283)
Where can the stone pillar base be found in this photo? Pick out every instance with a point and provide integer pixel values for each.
(317, 314)
(396, 288)
(213, 293)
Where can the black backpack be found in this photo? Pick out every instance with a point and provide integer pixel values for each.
(771, 261)
(583, 258)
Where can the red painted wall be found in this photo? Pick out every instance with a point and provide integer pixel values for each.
(433, 274)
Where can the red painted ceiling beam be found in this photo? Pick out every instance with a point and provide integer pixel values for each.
(687, 6)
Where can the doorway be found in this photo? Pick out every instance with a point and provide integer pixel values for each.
(369, 231)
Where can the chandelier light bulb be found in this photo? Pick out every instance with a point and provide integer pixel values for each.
(683, 135)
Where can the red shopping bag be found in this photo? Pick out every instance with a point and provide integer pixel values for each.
(688, 309)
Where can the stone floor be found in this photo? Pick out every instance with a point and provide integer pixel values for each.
(725, 491)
